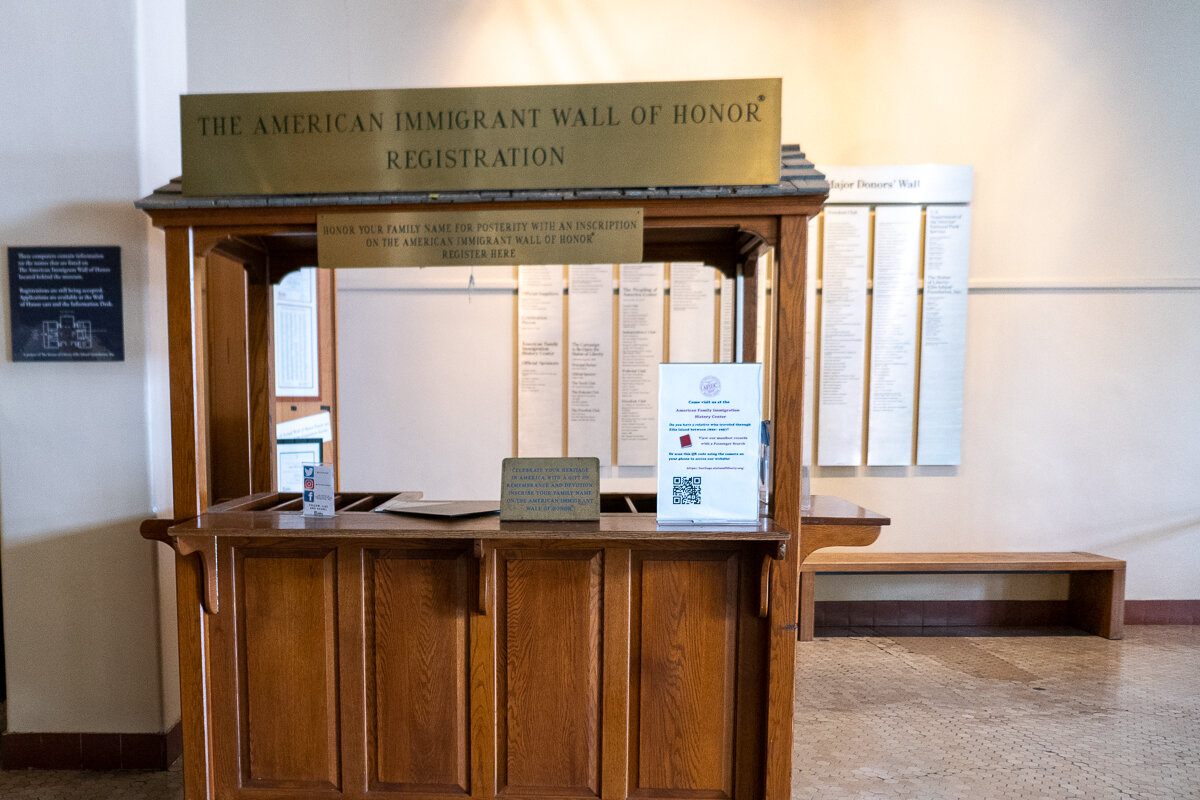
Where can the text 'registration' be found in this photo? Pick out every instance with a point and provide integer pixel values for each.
(685, 133)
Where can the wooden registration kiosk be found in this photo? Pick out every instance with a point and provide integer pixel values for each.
(371, 655)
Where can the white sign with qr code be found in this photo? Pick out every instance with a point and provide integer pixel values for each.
(709, 423)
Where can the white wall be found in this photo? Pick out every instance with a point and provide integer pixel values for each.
(1081, 428)
(83, 644)
(1081, 423)
(162, 77)
(424, 369)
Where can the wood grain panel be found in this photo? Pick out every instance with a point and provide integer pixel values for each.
(615, 766)
(549, 673)
(683, 686)
(751, 692)
(417, 699)
(180, 328)
(483, 678)
(289, 693)
(228, 384)
(260, 358)
(352, 666)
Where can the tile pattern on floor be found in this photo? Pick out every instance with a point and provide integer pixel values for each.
(983, 718)
(999, 717)
(32, 784)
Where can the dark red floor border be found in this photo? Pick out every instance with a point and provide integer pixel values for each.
(989, 613)
(91, 751)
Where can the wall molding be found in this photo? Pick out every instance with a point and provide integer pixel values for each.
(1066, 286)
(989, 285)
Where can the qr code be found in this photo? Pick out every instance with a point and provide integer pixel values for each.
(685, 491)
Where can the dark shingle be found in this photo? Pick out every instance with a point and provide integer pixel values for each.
(797, 177)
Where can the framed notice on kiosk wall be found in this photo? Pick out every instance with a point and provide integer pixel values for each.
(709, 424)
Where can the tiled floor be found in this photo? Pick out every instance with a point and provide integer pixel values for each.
(39, 785)
(881, 715)
(1000, 717)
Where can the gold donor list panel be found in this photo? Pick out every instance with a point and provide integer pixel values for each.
(681, 133)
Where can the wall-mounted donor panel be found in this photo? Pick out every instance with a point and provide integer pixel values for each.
(891, 339)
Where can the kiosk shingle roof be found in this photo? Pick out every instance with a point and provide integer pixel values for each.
(797, 177)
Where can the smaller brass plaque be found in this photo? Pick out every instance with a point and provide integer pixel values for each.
(550, 489)
(480, 238)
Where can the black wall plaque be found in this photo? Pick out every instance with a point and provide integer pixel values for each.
(65, 303)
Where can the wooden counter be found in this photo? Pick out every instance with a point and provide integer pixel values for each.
(379, 655)
(384, 658)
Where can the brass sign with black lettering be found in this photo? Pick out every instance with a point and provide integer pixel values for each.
(550, 489)
(686, 133)
(480, 238)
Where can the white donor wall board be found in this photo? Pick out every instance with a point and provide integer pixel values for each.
(567, 345)
(296, 364)
(539, 361)
(944, 334)
(589, 362)
(893, 249)
(532, 361)
(845, 253)
(693, 314)
(641, 349)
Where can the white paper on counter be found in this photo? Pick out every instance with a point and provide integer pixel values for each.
(709, 428)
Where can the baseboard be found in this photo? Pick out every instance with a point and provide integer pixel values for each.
(987, 613)
(939, 613)
(91, 751)
(1162, 612)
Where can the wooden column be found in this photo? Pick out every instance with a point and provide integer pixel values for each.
(180, 305)
(788, 454)
(260, 324)
(186, 477)
(229, 393)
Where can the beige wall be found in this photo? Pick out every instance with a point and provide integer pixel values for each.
(1081, 426)
(85, 646)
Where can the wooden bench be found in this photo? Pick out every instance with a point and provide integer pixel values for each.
(1097, 590)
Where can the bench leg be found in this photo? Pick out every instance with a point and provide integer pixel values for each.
(808, 596)
(1097, 601)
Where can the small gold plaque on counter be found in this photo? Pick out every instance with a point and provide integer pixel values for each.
(480, 238)
(550, 489)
